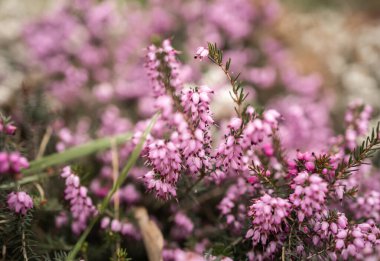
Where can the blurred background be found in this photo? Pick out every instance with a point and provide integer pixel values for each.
(337, 39)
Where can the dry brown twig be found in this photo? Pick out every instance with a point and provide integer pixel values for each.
(152, 236)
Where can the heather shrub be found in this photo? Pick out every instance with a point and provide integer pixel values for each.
(153, 131)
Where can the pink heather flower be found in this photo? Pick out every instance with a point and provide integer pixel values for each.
(7, 128)
(165, 159)
(122, 227)
(357, 120)
(61, 219)
(367, 206)
(196, 103)
(68, 138)
(129, 194)
(82, 208)
(112, 122)
(325, 227)
(304, 158)
(180, 255)
(306, 124)
(263, 77)
(162, 189)
(201, 53)
(12, 162)
(268, 149)
(309, 194)
(271, 117)
(229, 154)
(257, 129)
(115, 225)
(183, 226)
(152, 63)
(357, 242)
(103, 92)
(268, 216)
(129, 230)
(196, 142)
(19, 202)
(230, 207)
(104, 223)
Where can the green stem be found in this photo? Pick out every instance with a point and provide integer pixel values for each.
(27, 180)
(131, 162)
(75, 152)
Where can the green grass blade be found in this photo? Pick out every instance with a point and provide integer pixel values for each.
(75, 152)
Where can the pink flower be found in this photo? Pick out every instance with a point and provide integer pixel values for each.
(309, 194)
(201, 53)
(268, 218)
(12, 162)
(19, 202)
(183, 226)
(81, 206)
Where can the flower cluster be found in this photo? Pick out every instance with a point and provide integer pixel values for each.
(230, 204)
(357, 241)
(268, 216)
(166, 162)
(195, 141)
(68, 138)
(81, 205)
(357, 120)
(303, 159)
(309, 194)
(19, 202)
(158, 57)
(367, 206)
(327, 226)
(124, 228)
(7, 127)
(12, 162)
(183, 226)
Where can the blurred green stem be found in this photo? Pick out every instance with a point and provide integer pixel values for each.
(75, 152)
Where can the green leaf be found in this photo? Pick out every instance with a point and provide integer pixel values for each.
(228, 64)
(75, 152)
(131, 162)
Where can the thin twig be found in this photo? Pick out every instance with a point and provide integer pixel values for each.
(44, 142)
(24, 252)
(201, 177)
(40, 190)
(115, 175)
(4, 252)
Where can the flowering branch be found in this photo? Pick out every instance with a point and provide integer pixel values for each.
(216, 56)
(359, 154)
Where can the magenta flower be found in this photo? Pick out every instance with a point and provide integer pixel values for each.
(12, 162)
(19, 202)
(268, 216)
(309, 196)
(201, 53)
(82, 208)
(7, 128)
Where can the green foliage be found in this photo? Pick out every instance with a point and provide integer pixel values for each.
(121, 255)
(237, 94)
(366, 150)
